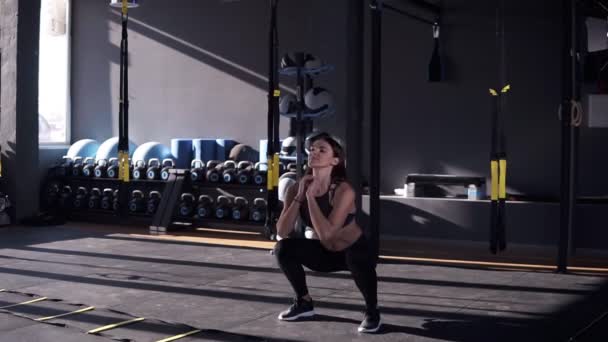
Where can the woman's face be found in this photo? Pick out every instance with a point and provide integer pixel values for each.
(321, 155)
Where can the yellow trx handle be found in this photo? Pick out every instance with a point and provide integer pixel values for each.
(276, 93)
(502, 179)
(269, 172)
(275, 172)
(494, 180)
(123, 166)
(125, 6)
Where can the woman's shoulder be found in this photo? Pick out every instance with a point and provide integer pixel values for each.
(344, 187)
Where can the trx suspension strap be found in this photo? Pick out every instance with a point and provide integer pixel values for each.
(123, 116)
(498, 154)
(272, 155)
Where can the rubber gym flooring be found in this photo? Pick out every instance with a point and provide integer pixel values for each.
(215, 286)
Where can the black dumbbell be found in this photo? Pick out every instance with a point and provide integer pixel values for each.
(77, 166)
(138, 169)
(52, 194)
(81, 198)
(197, 170)
(95, 198)
(100, 168)
(167, 165)
(240, 210)
(205, 206)
(213, 171)
(258, 210)
(229, 171)
(65, 198)
(136, 203)
(65, 167)
(107, 198)
(113, 168)
(223, 206)
(187, 204)
(245, 172)
(116, 201)
(153, 201)
(291, 167)
(88, 166)
(153, 171)
(259, 173)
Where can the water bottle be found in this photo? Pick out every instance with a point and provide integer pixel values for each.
(472, 192)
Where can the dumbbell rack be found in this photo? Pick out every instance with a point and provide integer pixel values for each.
(166, 216)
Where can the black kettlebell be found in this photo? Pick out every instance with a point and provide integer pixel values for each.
(65, 199)
(65, 167)
(153, 171)
(81, 198)
(53, 190)
(107, 198)
(113, 167)
(258, 210)
(95, 198)
(259, 173)
(136, 204)
(153, 201)
(186, 204)
(240, 210)
(205, 206)
(139, 167)
(88, 167)
(229, 171)
(213, 171)
(115, 201)
(197, 170)
(245, 172)
(222, 209)
(100, 168)
(167, 165)
(77, 166)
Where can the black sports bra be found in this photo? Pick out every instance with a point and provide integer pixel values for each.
(324, 202)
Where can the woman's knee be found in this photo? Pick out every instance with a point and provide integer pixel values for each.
(283, 249)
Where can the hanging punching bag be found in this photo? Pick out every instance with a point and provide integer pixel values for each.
(435, 69)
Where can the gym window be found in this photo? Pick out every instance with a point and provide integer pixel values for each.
(54, 73)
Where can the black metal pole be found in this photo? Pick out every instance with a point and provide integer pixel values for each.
(123, 118)
(569, 92)
(375, 112)
(273, 121)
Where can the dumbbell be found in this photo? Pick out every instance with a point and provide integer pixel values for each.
(107, 198)
(258, 210)
(291, 167)
(100, 168)
(95, 198)
(65, 167)
(138, 169)
(65, 198)
(229, 171)
(113, 167)
(153, 201)
(115, 201)
(222, 208)
(259, 173)
(88, 166)
(77, 166)
(240, 210)
(81, 198)
(136, 203)
(186, 204)
(197, 170)
(153, 171)
(205, 206)
(245, 172)
(52, 194)
(213, 171)
(167, 165)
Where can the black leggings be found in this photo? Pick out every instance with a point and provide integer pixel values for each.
(292, 254)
